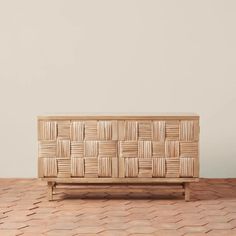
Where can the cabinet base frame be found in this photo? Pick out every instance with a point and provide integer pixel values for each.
(185, 183)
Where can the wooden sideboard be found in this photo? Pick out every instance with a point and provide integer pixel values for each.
(119, 149)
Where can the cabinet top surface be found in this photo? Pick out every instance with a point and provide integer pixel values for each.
(117, 116)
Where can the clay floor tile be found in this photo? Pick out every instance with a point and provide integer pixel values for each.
(217, 219)
(165, 226)
(59, 233)
(10, 232)
(213, 226)
(141, 229)
(193, 229)
(166, 219)
(12, 225)
(113, 232)
(167, 232)
(193, 222)
(86, 229)
(196, 234)
(219, 232)
(115, 226)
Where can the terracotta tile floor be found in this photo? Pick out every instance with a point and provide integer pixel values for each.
(24, 210)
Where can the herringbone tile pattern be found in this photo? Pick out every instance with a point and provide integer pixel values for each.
(24, 210)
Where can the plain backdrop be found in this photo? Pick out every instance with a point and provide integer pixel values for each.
(117, 56)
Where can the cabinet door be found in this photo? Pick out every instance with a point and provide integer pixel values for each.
(78, 149)
(159, 149)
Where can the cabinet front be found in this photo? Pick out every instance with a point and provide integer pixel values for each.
(118, 148)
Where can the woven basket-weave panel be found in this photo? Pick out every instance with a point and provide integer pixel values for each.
(189, 149)
(158, 167)
(90, 131)
(186, 167)
(63, 129)
(128, 148)
(90, 148)
(104, 130)
(47, 130)
(91, 167)
(115, 167)
(131, 130)
(77, 149)
(144, 149)
(47, 148)
(104, 166)
(118, 148)
(64, 167)
(145, 130)
(108, 148)
(77, 167)
(172, 148)
(172, 130)
(131, 167)
(120, 130)
(172, 167)
(49, 166)
(63, 147)
(159, 131)
(158, 149)
(188, 130)
(145, 167)
(77, 131)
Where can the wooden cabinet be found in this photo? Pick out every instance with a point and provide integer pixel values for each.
(119, 149)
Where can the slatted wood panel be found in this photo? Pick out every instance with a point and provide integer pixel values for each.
(188, 130)
(131, 130)
(145, 167)
(47, 130)
(145, 130)
(91, 167)
(108, 148)
(189, 149)
(159, 130)
(47, 148)
(158, 149)
(77, 131)
(63, 167)
(63, 147)
(90, 131)
(172, 148)
(63, 129)
(104, 130)
(77, 149)
(158, 167)
(77, 167)
(186, 167)
(172, 167)
(172, 130)
(90, 148)
(128, 148)
(144, 149)
(132, 148)
(105, 166)
(49, 167)
(131, 167)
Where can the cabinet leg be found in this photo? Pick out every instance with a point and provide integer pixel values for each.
(183, 193)
(50, 190)
(187, 192)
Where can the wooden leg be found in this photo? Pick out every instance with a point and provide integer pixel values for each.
(183, 189)
(187, 192)
(50, 191)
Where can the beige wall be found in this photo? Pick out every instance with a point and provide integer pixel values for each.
(117, 56)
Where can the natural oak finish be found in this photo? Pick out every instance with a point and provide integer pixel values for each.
(125, 149)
